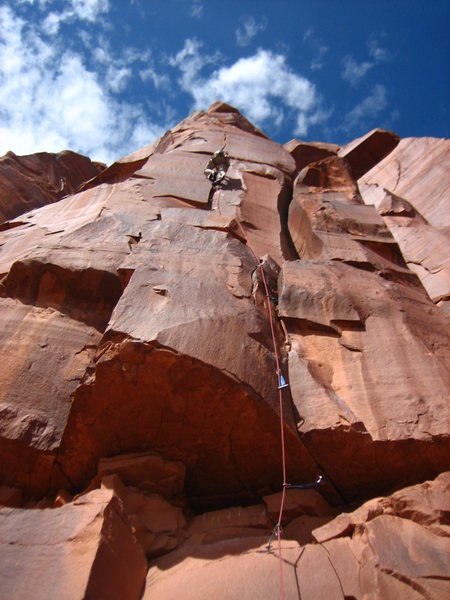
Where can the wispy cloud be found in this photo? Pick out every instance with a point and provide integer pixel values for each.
(84, 10)
(262, 86)
(190, 62)
(196, 10)
(52, 100)
(354, 71)
(317, 48)
(249, 29)
(378, 53)
(159, 80)
(366, 111)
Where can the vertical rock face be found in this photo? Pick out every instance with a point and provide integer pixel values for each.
(410, 190)
(139, 357)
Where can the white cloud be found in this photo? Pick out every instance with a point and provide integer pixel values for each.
(117, 78)
(52, 22)
(262, 86)
(317, 61)
(317, 48)
(89, 10)
(366, 110)
(378, 53)
(196, 10)
(159, 80)
(191, 62)
(249, 29)
(51, 100)
(118, 69)
(354, 71)
(83, 10)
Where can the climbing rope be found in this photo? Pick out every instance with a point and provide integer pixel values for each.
(281, 384)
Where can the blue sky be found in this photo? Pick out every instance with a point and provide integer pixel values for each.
(106, 77)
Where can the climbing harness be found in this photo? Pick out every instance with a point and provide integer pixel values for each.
(217, 167)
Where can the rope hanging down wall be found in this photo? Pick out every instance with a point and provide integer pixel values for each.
(215, 171)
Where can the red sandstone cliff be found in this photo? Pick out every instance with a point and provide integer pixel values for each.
(139, 414)
(28, 182)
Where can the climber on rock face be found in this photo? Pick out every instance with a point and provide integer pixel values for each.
(217, 166)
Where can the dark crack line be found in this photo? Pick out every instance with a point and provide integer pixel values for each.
(406, 580)
(399, 173)
(336, 573)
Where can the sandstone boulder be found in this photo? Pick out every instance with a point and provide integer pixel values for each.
(297, 502)
(305, 153)
(328, 220)
(146, 470)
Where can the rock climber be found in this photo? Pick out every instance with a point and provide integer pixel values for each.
(217, 166)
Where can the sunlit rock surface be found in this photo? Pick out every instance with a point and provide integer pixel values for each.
(31, 181)
(139, 366)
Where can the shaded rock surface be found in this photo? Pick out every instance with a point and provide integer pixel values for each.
(27, 182)
(140, 369)
(367, 151)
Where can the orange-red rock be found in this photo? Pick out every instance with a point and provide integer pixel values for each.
(304, 153)
(45, 355)
(138, 358)
(410, 190)
(367, 151)
(146, 470)
(390, 553)
(27, 182)
(327, 220)
(122, 231)
(10, 496)
(297, 502)
(426, 504)
(81, 550)
(365, 391)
